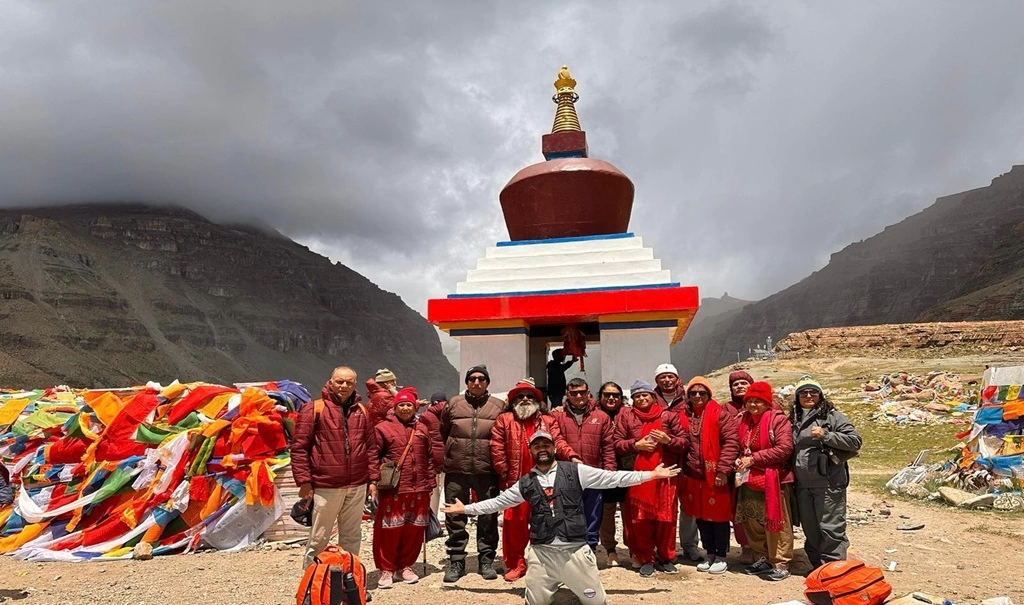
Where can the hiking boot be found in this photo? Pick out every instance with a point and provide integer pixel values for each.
(646, 570)
(665, 567)
(487, 571)
(408, 576)
(761, 566)
(456, 569)
(718, 567)
(777, 575)
(386, 580)
(705, 566)
(514, 574)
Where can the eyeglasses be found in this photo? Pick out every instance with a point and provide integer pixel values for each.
(807, 394)
(476, 379)
(698, 393)
(522, 396)
(577, 393)
(611, 395)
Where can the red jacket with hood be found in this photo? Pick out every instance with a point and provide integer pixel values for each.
(591, 438)
(781, 449)
(382, 401)
(507, 449)
(627, 432)
(419, 469)
(333, 450)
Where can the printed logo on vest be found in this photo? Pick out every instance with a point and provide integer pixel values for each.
(590, 593)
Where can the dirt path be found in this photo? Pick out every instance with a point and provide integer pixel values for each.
(965, 556)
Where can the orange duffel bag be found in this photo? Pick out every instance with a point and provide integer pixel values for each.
(846, 583)
(336, 577)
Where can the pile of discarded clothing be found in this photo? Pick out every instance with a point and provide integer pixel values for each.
(934, 398)
(988, 468)
(106, 474)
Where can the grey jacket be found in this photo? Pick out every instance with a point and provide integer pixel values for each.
(812, 466)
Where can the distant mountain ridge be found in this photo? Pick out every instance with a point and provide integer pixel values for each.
(114, 294)
(961, 259)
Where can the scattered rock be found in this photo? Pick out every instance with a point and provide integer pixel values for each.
(910, 526)
(143, 551)
(983, 500)
(955, 496)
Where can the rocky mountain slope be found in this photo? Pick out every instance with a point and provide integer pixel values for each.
(960, 259)
(120, 294)
(712, 312)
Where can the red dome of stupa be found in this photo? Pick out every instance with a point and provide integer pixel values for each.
(569, 194)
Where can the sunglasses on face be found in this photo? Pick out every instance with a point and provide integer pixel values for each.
(698, 393)
(577, 393)
(476, 379)
(807, 393)
(612, 395)
(522, 396)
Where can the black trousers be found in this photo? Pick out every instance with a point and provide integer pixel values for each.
(714, 535)
(459, 486)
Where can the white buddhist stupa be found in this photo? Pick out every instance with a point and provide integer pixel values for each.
(571, 271)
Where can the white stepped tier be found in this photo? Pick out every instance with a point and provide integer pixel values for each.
(565, 265)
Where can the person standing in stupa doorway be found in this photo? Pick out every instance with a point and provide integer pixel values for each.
(556, 377)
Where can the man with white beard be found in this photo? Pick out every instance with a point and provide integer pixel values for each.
(510, 455)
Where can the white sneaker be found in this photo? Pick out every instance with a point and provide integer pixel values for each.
(718, 567)
(704, 566)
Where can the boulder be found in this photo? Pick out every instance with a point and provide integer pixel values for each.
(979, 501)
(143, 551)
(955, 496)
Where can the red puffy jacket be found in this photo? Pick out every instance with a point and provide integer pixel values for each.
(627, 433)
(592, 438)
(417, 474)
(332, 451)
(507, 445)
(382, 401)
(431, 419)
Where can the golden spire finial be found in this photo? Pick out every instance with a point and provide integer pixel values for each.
(565, 97)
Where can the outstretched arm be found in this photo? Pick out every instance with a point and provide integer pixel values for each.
(506, 499)
(594, 478)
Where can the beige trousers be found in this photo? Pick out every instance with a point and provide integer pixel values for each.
(549, 566)
(777, 548)
(341, 505)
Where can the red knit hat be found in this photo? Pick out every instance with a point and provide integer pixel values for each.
(408, 394)
(740, 375)
(527, 384)
(759, 390)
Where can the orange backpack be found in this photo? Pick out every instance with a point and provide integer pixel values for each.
(846, 583)
(336, 577)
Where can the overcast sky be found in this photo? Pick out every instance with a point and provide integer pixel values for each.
(761, 137)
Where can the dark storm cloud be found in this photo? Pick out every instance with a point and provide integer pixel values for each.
(761, 137)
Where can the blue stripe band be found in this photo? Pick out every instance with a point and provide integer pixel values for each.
(637, 325)
(559, 240)
(487, 331)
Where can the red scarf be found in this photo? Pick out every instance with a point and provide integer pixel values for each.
(766, 479)
(710, 438)
(654, 499)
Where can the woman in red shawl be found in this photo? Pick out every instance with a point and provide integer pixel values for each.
(655, 436)
(403, 512)
(706, 494)
(762, 501)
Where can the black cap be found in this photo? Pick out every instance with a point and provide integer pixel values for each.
(478, 369)
(438, 397)
(302, 512)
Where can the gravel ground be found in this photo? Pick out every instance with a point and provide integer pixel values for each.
(965, 556)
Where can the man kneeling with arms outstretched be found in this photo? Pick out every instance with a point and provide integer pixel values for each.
(558, 528)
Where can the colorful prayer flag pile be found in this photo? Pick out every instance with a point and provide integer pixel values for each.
(97, 471)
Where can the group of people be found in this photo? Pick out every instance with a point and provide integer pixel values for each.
(671, 459)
